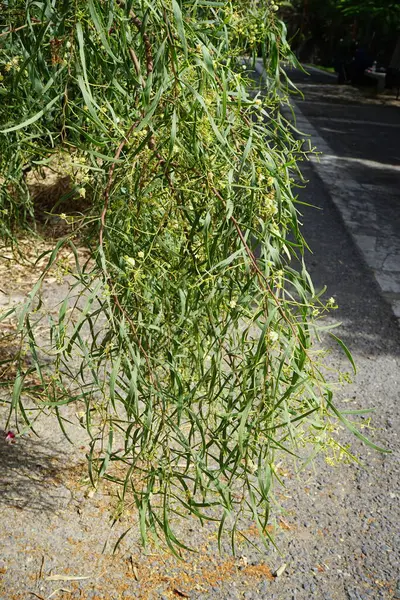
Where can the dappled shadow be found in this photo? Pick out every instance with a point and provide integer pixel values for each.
(365, 142)
(368, 325)
(32, 473)
(370, 154)
(372, 172)
(319, 85)
(372, 128)
(343, 94)
(362, 134)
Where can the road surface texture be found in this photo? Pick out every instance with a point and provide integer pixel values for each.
(359, 136)
(338, 526)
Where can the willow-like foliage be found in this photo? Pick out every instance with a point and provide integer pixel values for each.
(188, 334)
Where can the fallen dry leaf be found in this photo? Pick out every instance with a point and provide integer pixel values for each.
(180, 593)
(284, 524)
(280, 571)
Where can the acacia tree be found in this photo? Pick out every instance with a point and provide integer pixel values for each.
(192, 335)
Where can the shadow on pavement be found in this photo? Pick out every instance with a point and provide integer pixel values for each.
(32, 475)
(368, 324)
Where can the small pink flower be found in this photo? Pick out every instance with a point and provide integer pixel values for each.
(10, 437)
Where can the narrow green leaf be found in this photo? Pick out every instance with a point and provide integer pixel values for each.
(101, 32)
(179, 25)
(35, 117)
(346, 351)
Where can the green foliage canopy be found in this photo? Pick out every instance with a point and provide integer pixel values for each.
(188, 334)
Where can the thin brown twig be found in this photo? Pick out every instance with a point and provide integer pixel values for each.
(166, 21)
(152, 146)
(149, 69)
(146, 40)
(276, 299)
(261, 275)
(149, 65)
(151, 143)
(36, 595)
(135, 61)
(110, 179)
(14, 29)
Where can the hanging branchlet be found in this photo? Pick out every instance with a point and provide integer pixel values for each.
(189, 334)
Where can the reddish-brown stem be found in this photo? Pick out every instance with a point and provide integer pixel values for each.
(146, 40)
(149, 69)
(151, 144)
(13, 30)
(135, 61)
(261, 275)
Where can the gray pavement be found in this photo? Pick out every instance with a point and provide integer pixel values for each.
(359, 141)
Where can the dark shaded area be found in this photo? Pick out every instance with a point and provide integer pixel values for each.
(32, 475)
(365, 138)
(332, 33)
(57, 202)
(371, 130)
(368, 324)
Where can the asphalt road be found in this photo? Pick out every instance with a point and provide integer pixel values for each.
(359, 137)
(354, 233)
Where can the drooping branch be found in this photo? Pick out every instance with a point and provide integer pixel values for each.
(151, 143)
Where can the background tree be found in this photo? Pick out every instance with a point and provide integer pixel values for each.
(317, 28)
(377, 25)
